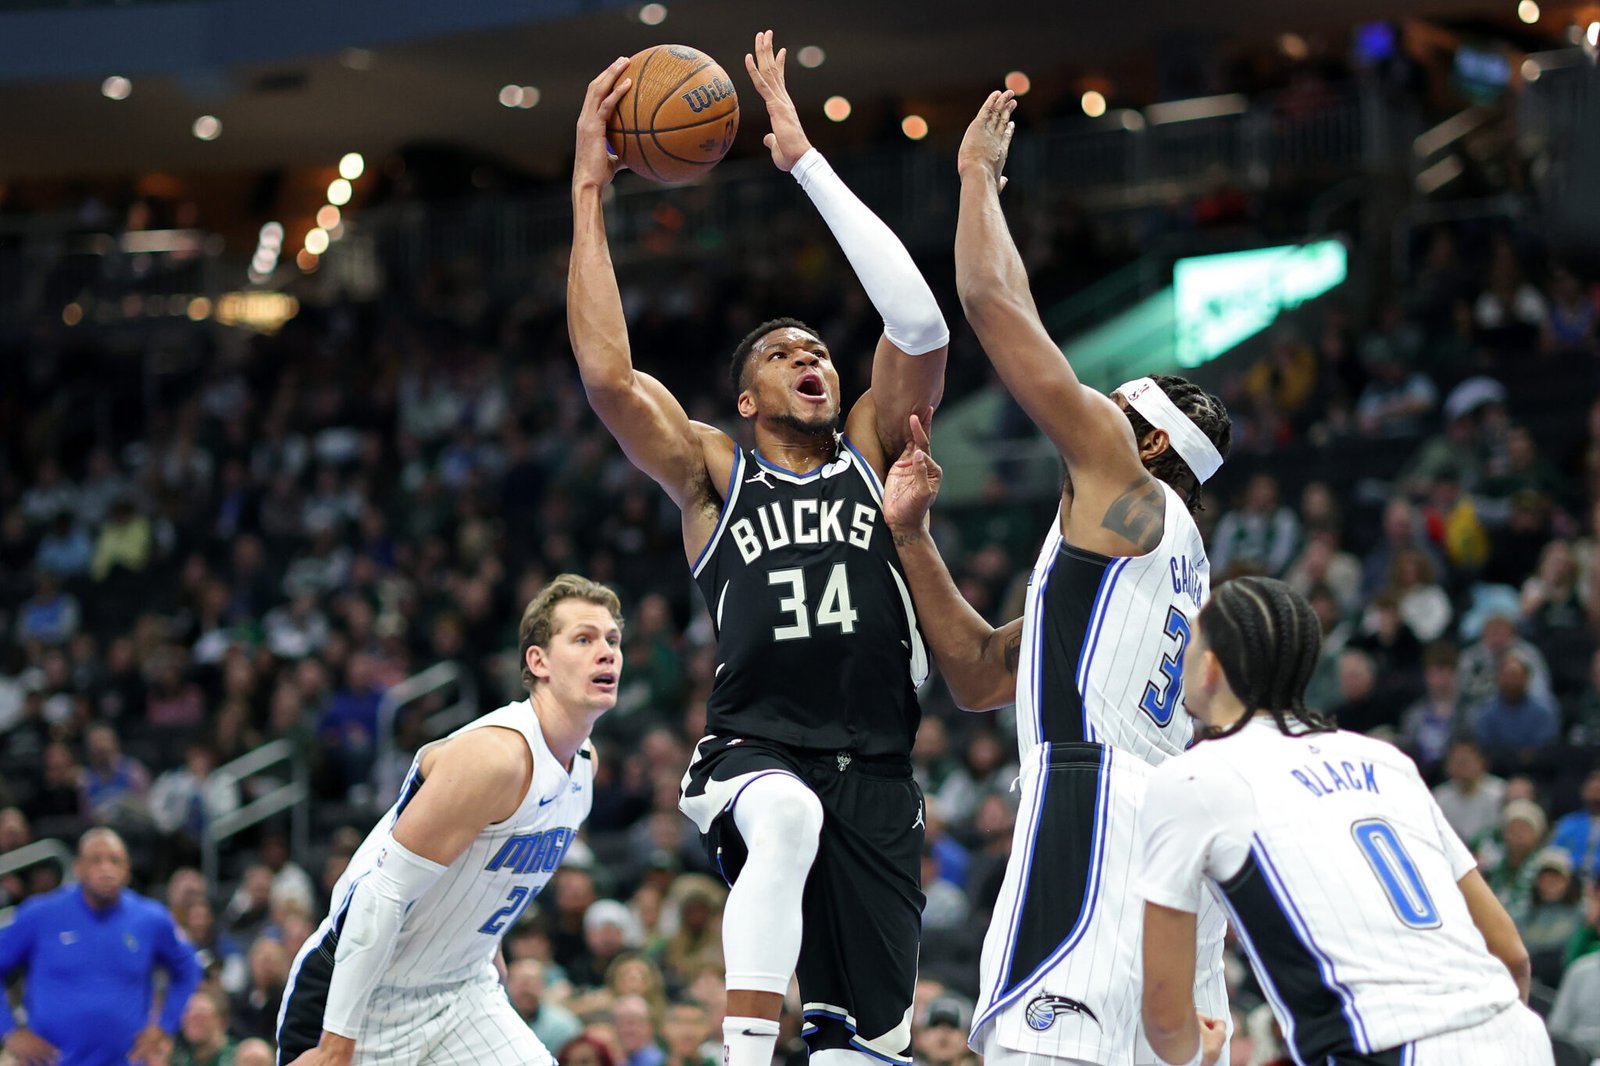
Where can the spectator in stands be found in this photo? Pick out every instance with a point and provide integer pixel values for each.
(1579, 832)
(1471, 798)
(185, 799)
(1402, 531)
(1555, 911)
(1572, 321)
(103, 484)
(1337, 632)
(1507, 862)
(1574, 1018)
(1480, 663)
(1516, 724)
(985, 767)
(51, 615)
(290, 882)
(1325, 563)
(255, 1052)
(946, 905)
(1396, 652)
(348, 728)
(608, 930)
(683, 1032)
(65, 551)
(1362, 708)
(116, 787)
(552, 1023)
(1456, 451)
(1283, 380)
(14, 833)
(1262, 533)
(1432, 723)
(88, 1013)
(1586, 713)
(171, 700)
(1509, 313)
(205, 1031)
(943, 1037)
(1423, 605)
(49, 495)
(1556, 618)
(1523, 470)
(125, 543)
(1395, 401)
(255, 1009)
(635, 1032)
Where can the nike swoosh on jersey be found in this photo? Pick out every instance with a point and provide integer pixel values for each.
(543, 802)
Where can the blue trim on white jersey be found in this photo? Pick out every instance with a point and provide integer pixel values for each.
(722, 515)
(1097, 619)
(1280, 892)
(1015, 923)
(1091, 895)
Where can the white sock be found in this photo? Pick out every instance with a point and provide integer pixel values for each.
(748, 1041)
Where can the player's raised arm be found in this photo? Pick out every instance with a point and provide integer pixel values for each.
(908, 366)
(977, 661)
(649, 424)
(993, 285)
(474, 780)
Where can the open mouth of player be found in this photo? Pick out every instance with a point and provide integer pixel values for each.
(606, 681)
(812, 387)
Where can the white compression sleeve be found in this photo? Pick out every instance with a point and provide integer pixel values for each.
(378, 903)
(911, 317)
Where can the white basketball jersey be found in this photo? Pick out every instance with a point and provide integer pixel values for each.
(451, 933)
(1103, 641)
(1340, 876)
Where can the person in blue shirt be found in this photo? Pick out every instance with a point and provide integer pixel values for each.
(90, 951)
(1579, 832)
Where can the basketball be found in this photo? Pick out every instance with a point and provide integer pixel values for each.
(678, 118)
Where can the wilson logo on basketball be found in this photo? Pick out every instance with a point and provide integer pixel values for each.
(703, 96)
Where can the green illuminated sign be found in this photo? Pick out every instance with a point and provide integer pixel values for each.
(1224, 300)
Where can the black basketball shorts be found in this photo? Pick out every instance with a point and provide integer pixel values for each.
(863, 900)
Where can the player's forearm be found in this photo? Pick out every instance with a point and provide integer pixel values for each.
(596, 325)
(964, 645)
(989, 270)
(911, 317)
(1177, 1047)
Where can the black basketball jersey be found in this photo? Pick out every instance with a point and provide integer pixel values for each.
(817, 640)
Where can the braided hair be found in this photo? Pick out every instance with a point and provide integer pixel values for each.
(1267, 639)
(1205, 411)
(741, 354)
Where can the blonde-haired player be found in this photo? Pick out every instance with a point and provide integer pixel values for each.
(403, 970)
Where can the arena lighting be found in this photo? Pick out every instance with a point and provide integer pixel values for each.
(306, 261)
(72, 314)
(837, 108)
(116, 87)
(1528, 11)
(1593, 36)
(811, 56)
(1294, 46)
(207, 127)
(1018, 82)
(914, 126)
(1221, 301)
(327, 216)
(1531, 70)
(653, 14)
(272, 235)
(1131, 120)
(338, 192)
(530, 97)
(1094, 103)
(199, 309)
(352, 166)
(317, 240)
(1199, 107)
(510, 95)
(264, 312)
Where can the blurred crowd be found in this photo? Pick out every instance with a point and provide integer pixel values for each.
(274, 535)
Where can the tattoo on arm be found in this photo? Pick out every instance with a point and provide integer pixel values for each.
(1138, 514)
(1013, 652)
(902, 540)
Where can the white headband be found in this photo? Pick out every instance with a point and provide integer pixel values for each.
(1195, 448)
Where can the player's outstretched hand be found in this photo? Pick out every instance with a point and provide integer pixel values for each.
(1213, 1034)
(31, 1049)
(593, 164)
(787, 141)
(913, 481)
(988, 139)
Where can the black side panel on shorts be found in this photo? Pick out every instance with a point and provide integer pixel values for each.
(308, 998)
(1071, 589)
(1057, 895)
(1322, 1032)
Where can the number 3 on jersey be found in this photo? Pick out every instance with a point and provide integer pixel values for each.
(1160, 700)
(834, 609)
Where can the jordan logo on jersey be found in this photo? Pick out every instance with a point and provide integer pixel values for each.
(532, 852)
(1042, 1010)
(760, 478)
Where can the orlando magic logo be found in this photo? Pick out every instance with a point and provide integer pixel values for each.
(1043, 1008)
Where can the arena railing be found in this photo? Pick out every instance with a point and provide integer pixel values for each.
(39, 851)
(390, 769)
(292, 795)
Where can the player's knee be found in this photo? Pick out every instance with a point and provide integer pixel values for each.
(789, 818)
